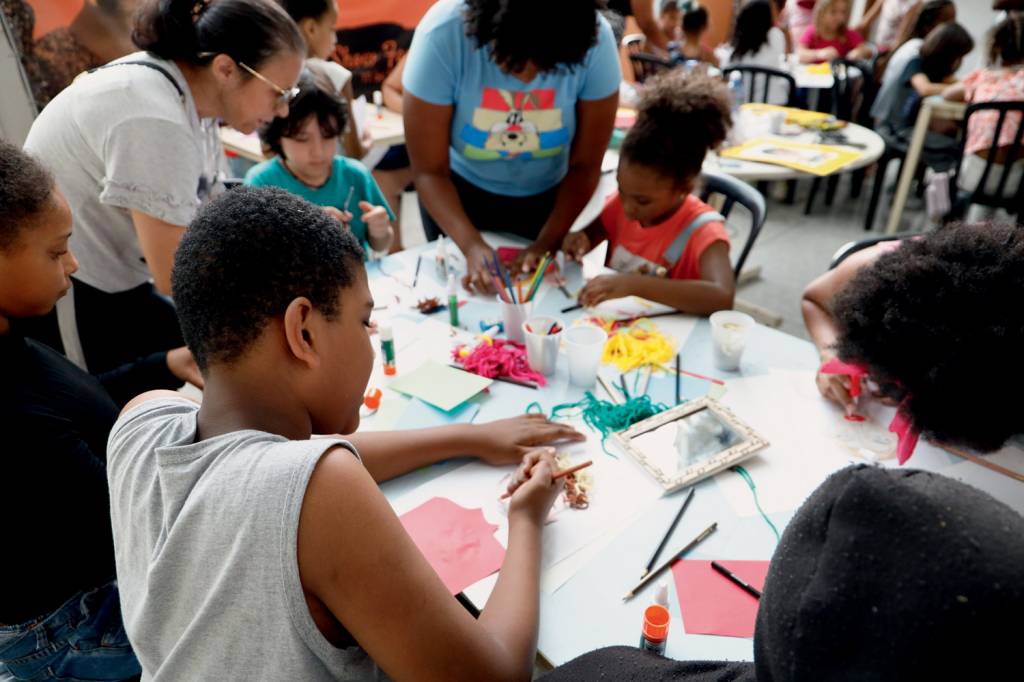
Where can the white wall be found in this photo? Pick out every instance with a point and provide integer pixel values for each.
(17, 110)
(977, 16)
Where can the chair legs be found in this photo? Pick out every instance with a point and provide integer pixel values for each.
(876, 189)
(815, 185)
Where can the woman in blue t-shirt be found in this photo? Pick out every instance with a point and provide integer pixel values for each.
(508, 109)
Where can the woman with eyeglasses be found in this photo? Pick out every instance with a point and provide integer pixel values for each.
(135, 149)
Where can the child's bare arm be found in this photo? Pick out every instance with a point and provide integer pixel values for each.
(714, 291)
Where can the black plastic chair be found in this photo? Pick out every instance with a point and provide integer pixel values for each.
(1013, 203)
(764, 76)
(736, 192)
(851, 100)
(850, 248)
(647, 65)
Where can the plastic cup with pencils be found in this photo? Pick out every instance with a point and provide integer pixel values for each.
(543, 336)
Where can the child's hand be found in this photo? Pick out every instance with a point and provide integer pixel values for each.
(836, 387)
(183, 366)
(344, 217)
(827, 54)
(507, 440)
(576, 245)
(604, 288)
(376, 219)
(532, 489)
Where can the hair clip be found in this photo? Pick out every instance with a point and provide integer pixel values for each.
(907, 435)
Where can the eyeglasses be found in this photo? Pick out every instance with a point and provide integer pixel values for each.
(284, 96)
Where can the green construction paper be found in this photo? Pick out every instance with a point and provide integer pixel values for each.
(442, 386)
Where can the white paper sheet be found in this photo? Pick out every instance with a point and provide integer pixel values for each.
(803, 431)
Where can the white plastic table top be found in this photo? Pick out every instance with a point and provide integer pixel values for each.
(774, 393)
(752, 171)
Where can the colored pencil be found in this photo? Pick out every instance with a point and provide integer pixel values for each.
(507, 380)
(554, 326)
(746, 587)
(572, 308)
(416, 275)
(668, 533)
(622, 381)
(507, 279)
(348, 199)
(612, 395)
(539, 277)
(565, 292)
(647, 380)
(675, 557)
(678, 379)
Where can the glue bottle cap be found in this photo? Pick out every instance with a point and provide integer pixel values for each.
(656, 618)
(372, 399)
(661, 594)
(386, 333)
(452, 291)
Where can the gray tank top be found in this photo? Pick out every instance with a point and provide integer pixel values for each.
(205, 539)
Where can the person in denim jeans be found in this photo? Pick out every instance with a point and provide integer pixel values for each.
(83, 640)
(60, 616)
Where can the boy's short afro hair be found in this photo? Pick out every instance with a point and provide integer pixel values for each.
(248, 254)
(550, 34)
(939, 324)
(26, 189)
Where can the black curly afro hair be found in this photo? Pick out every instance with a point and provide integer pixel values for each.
(680, 117)
(938, 324)
(552, 35)
(247, 255)
(26, 190)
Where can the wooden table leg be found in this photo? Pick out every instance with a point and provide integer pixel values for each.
(899, 201)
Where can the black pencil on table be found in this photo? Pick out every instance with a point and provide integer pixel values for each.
(572, 308)
(668, 533)
(625, 391)
(678, 374)
(746, 587)
(416, 277)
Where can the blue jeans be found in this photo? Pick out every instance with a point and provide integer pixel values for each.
(84, 639)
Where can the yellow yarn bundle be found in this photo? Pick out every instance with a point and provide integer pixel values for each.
(637, 345)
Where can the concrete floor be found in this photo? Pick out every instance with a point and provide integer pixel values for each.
(791, 250)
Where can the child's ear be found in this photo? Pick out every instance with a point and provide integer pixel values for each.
(299, 334)
(687, 186)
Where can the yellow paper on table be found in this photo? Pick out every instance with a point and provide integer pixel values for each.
(442, 386)
(821, 69)
(817, 159)
(793, 115)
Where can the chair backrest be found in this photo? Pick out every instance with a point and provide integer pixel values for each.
(850, 248)
(753, 75)
(646, 65)
(853, 89)
(736, 192)
(1012, 201)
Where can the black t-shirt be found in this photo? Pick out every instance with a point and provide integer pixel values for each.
(54, 423)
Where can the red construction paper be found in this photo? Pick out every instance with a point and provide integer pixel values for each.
(711, 604)
(458, 543)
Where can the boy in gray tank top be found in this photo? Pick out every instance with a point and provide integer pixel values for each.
(247, 550)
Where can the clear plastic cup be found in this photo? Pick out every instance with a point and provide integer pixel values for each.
(584, 345)
(541, 346)
(729, 332)
(514, 315)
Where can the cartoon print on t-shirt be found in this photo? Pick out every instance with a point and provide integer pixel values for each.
(515, 124)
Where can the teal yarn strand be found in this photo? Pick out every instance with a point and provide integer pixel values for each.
(604, 417)
(745, 475)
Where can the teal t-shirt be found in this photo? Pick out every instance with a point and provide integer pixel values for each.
(345, 174)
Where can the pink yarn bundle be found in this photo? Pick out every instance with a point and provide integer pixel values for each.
(497, 358)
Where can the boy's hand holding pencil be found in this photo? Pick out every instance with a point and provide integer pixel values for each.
(576, 245)
(376, 219)
(533, 489)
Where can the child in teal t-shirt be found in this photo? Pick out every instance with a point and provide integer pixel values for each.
(307, 164)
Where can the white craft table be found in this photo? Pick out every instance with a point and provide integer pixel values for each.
(752, 171)
(774, 392)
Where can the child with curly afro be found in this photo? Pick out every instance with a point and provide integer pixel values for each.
(933, 322)
(666, 244)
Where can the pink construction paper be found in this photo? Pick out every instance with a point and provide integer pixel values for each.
(712, 604)
(457, 542)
